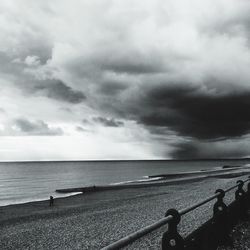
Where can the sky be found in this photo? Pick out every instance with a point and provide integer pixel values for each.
(124, 79)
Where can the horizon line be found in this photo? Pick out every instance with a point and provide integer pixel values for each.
(127, 160)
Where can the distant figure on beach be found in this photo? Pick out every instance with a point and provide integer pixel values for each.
(51, 201)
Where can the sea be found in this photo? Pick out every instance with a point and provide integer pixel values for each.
(22, 182)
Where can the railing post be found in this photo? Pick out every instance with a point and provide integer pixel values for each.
(239, 192)
(171, 240)
(220, 207)
(216, 232)
(248, 193)
(240, 196)
(248, 185)
(220, 216)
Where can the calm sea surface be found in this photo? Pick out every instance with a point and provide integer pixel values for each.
(22, 182)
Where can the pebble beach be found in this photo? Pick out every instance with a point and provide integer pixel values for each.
(94, 220)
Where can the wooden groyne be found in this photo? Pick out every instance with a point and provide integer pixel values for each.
(125, 186)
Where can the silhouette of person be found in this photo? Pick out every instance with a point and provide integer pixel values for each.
(51, 201)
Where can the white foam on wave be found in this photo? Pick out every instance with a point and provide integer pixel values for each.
(146, 179)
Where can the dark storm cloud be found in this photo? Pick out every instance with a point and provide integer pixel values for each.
(210, 150)
(134, 65)
(39, 48)
(112, 87)
(195, 113)
(108, 122)
(13, 62)
(230, 25)
(57, 89)
(7, 66)
(39, 127)
(52, 88)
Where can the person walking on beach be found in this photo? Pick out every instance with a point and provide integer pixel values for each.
(51, 201)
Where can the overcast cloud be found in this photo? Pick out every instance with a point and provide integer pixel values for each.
(171, 77)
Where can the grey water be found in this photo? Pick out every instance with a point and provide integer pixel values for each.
(30, 181)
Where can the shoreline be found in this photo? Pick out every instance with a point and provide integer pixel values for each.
(62, 196)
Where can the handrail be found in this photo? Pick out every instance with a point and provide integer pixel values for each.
(233, 187)
(189, 209)
(141, 232)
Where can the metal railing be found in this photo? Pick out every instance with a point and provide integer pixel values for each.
(208, 236)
